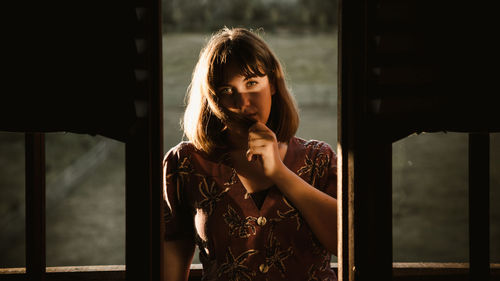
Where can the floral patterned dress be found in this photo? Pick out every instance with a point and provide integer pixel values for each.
(238, 241)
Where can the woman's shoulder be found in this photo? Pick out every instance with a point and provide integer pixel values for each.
(186, 149)
(183, 148)
(186, 156)
(311, 146)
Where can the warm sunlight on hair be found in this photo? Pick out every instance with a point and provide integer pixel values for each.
(205, 119)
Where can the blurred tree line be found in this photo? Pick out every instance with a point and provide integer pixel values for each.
(272, 15)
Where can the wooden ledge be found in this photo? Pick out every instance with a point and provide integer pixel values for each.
(402, 271)
(73, 273)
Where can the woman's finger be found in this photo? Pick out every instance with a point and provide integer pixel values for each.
(255, 151)
(259, 142)
(261, 134)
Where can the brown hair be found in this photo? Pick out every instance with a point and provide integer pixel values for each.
(204, 118)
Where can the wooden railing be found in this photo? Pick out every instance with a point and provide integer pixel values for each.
(401, 272)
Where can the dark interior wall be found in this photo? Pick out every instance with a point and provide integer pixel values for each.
(68, 66)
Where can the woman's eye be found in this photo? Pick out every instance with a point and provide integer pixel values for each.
(226, 91)
(251, 83)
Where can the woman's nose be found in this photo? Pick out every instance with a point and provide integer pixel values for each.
(242, 100)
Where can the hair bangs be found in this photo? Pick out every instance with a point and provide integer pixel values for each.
(247, 62)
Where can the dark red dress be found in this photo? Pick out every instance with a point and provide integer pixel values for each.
(204, 199)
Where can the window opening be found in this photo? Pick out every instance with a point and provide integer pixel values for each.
(85, 200)
(303, 34)
(12, 200)
(430, 198)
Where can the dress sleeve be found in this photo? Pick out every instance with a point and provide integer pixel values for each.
(331, 183)
(323, 167)
(177, 221)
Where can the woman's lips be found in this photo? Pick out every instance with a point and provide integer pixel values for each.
(253, 116)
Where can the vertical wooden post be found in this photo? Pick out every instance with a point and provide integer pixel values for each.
(144, 151)
(157, 138)
(479, 207)
(35, 206)
(365, 178)
(351, 86)
(372, 214)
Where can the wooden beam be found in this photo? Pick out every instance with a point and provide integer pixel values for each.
(372, 207)
(479, 207)
(365, 155)
(401, 271)
(352, 71)
(416, 271)
(144, 152)
(35, 206)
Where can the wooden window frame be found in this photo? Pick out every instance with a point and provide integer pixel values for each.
(371, 118)
(358, 251)
(143, 165)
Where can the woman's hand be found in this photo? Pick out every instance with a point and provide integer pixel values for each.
(263, 145)
(317, 208)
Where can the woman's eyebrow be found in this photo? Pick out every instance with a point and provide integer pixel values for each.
(248, 77)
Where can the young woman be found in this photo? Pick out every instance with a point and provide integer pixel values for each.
(257, 201)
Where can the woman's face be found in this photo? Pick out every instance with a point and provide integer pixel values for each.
(248, 96)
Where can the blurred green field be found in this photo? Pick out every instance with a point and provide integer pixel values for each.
(310, 64)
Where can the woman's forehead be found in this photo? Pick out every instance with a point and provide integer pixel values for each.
(233, 69)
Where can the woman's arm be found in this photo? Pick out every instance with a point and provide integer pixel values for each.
(317, 208)
(178, 255)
